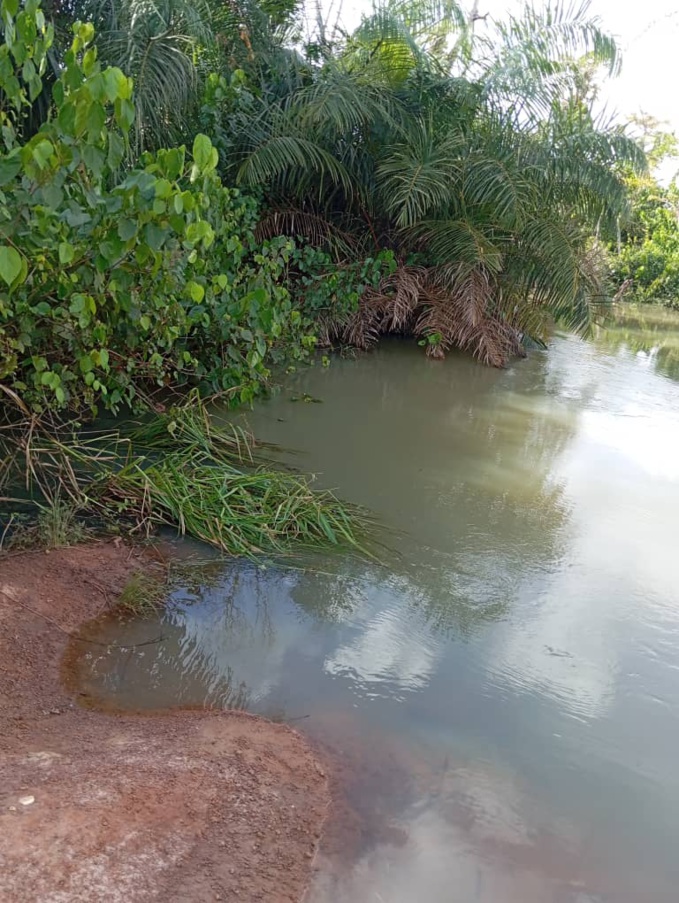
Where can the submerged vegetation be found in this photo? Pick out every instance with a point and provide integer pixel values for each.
(198, 196)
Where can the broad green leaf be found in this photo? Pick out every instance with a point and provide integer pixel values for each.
(112, 249)
(89, 61)
(116, 84)
(76, 217)
(116, 150)
(173, 162)
(85, 32)
(67, 118)
(127, 229)
(96, 119)
(66, 252)
(9, 168)
(42, 152)
(202, 147)
(10, 263)
(163, 188)
(52, 195)
(155, 236)
(93, 158)
(196, 291)
(124, 112)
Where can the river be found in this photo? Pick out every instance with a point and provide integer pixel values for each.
(501, 690)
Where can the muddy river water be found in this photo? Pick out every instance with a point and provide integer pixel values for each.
(501, 691)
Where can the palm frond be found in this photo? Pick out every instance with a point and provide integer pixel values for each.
(290, 156)
(453, 241)
(457, 312)
(314, 228)
(158, 43)
(420, 178)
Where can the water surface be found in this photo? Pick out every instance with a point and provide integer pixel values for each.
(502, 696)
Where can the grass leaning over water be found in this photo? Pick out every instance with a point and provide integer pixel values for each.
(176, 469)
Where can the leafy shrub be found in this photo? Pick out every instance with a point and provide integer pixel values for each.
(326, 288)
(111, 280)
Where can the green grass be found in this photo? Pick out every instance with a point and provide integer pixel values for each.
(142, 595)
(54, 525)
(180, 470)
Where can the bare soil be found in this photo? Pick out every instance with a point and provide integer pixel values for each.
(182, 806)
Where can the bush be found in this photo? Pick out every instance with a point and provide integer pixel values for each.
(325, 289)
(114, 280)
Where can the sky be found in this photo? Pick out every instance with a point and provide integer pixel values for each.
(647, 32)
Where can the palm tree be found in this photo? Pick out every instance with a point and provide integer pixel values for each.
(160, 44)
(479, 170)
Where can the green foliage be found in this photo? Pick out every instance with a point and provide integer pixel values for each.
(645, 261)
(26, 40)
(115, 281)
(478, 161)
(324, 288)
(143, 595)
(56, 525)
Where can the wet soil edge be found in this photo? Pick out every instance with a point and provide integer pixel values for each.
(180, 806)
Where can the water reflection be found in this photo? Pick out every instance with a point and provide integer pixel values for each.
(649, 332)
(500, 694)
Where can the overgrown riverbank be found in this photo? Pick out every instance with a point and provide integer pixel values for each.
(210, 219)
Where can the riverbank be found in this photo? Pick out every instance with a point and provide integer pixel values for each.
(177, 806)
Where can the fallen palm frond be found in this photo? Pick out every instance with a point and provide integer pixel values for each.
(445, 308)
(177, 470)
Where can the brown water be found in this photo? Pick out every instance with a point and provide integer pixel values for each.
(502, 697)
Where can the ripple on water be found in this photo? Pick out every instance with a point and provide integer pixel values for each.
(500, 699)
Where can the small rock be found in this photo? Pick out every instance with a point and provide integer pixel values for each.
(26, 800)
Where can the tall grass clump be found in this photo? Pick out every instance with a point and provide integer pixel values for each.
(178, 469)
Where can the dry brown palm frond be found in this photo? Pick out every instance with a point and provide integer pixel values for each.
(314, 227)
(364, 326)
(448, 307)
(458, 311)
(391, 307)
(402, 290)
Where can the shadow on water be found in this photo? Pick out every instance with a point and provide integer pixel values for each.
(497, 698)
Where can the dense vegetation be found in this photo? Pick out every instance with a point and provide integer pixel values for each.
(645, 255)
(416, 176)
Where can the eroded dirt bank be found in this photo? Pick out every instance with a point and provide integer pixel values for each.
(185, 806)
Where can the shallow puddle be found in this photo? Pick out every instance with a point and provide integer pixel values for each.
(501, 697)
